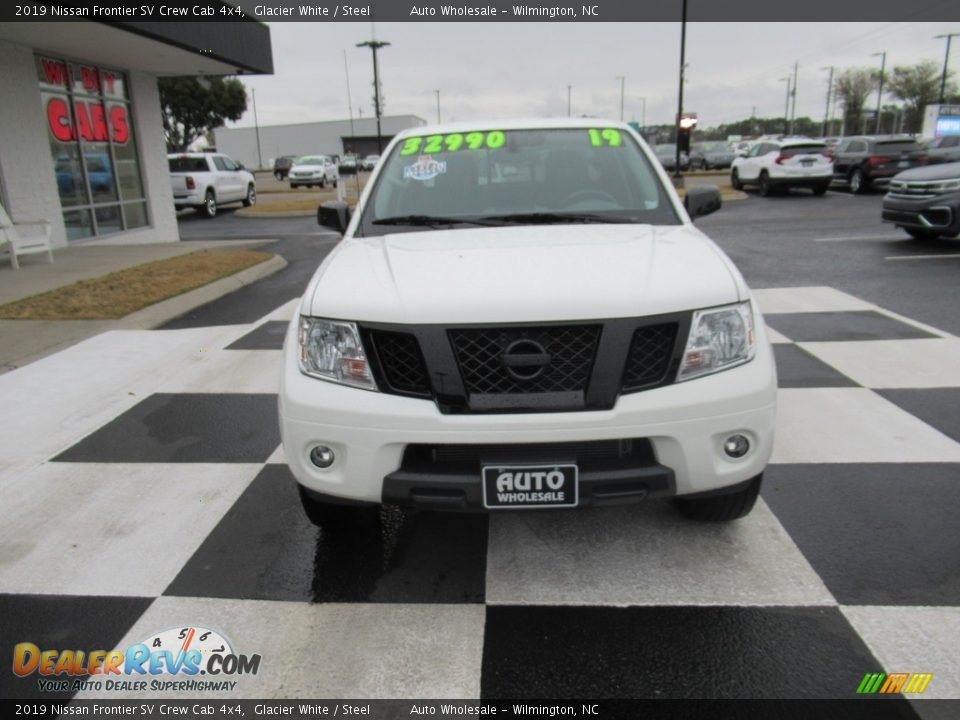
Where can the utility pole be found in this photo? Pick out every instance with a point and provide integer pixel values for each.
(569, 89)
(786, 108)
(643, 112)
(623, 81)
(678, 177)
(793, 107)
(375, 45)
(946, 61)
(438, 106)
(826, 113)
(256, 124)
(883, 68)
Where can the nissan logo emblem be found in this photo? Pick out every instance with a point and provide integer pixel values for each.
(525, 359)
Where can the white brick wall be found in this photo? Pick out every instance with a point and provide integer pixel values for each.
(28, 183)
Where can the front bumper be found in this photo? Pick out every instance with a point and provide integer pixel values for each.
(685, 423)
(941, 213)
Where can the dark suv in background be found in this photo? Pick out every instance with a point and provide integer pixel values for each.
(944, 149)
(866, 161)
(282, 165)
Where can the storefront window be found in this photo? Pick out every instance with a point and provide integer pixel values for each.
(93, 147)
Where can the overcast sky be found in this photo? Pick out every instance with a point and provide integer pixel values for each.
(503, 70)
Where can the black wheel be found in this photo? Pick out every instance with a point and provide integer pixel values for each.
(821, 189)
(764, 184)
(335, 181)
(278, 175)
(858, 182)
(918, 234)
(251, 198)
(209, 207)
(735, 180)
(323, 183)
(722, 508)
(333, 516)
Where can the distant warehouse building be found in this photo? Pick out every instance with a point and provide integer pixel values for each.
(81, 132)
(331, 137)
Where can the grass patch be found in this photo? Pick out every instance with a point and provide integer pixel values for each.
(121, 293)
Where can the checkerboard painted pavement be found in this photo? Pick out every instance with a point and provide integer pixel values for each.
(144, 488)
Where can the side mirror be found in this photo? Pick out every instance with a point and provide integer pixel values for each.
(241, 166)
(336, 215)
(702, 200)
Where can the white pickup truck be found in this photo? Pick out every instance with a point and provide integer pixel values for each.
(205, 181)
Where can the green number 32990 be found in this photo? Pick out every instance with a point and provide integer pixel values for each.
(453, 142)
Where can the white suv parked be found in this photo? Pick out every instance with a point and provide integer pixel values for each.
(555, 336)
(205, 181)
(313, 170)
(782, 164)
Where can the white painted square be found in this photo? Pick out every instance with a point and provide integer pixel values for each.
(331, 650)
(920, 363)
(277, 457)
(111, 528)
(284, 312)
(808, 299)
(229, 371)
(646, 554)
(913, 640)
(777, 338)
(839, 425)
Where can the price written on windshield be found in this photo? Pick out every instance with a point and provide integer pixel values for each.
(453, 142)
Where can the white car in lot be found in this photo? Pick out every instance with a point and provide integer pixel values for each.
(310, 170)
(205, 181)
(556, 336)
(773, 165)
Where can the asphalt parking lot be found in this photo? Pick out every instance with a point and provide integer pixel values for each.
(165, 500)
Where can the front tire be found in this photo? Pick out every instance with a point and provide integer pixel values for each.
(858, 182)
(735, 180)
(209, 208)
(722, 508)
(251, 198)
(918, 234)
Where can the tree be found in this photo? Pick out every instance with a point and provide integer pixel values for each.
(192, 106)
(853, 86)
(917, 86)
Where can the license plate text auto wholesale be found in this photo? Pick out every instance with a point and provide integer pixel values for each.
(521, 486)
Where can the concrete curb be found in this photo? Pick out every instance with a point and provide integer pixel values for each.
(167, 310)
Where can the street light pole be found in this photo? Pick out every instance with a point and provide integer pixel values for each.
(678, 178)
(438, 106)
(375, 45)
(623, 81)
(256, 124)
(786, 107)
(569, 89)
(946, 61)
(643, 112)
(883, 67)
(826, 113)
(793, 106)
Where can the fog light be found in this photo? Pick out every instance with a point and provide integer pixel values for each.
(736, 446)
(322, 456)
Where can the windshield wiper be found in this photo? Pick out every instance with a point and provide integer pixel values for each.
(549, 218)
(432, 220)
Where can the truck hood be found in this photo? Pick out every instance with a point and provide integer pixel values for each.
(522, 274)
(944, 171)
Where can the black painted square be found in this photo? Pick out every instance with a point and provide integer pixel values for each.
(877, 534)
(265, 548)
(796, 368)
(671, 652)
(939, 407)
(268, 336)
(60, 622)
(842, 326)
(188, 427)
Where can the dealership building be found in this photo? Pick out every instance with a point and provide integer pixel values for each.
(81, 134)
(250, 145)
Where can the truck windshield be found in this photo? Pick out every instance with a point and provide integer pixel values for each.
(539, 176)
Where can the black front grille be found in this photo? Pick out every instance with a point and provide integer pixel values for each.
(401, 361)
(648, 361)
(585, 453)
(480, 356)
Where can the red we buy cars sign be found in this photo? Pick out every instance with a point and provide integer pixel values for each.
(91, 120)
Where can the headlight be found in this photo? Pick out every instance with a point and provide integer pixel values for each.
(720, 338)
(944, 186)
(331, 350)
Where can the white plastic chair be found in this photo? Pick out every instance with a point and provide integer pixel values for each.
(11, 241)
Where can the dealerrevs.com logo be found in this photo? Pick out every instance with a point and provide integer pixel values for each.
(188, 658)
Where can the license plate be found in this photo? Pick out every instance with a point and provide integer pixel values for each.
(524, 486)
(903, 163)
(806, 163)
